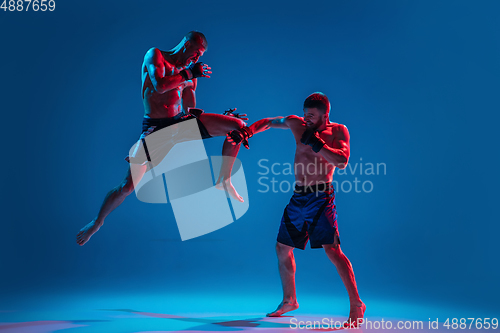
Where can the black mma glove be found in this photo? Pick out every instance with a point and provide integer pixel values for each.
(196, 70)
(231, 113)
(241, 135)
(311, 138)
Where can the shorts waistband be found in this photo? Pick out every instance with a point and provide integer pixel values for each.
(163, 120)
(321, 187)
(160, 123)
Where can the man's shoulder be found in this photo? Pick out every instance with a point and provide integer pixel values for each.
(336, 127)
(339, 130)
(153, 52)
(156, 56)
(294, 120)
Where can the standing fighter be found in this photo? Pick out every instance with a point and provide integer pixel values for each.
(311, 213)
(169, 81)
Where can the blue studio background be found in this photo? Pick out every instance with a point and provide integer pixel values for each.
(416, 83)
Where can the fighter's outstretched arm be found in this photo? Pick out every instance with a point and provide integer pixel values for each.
(339, 151)
(242, 135)
(275, 122)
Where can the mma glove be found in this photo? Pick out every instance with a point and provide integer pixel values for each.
(240, 136)
(196, 70)
(231, 113)
(311, 138)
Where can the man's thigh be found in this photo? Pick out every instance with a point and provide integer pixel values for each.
(135, 174)
(219, 125)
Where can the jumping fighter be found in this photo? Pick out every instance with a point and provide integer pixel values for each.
(169, 81)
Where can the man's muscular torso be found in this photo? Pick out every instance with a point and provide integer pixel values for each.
(310, 167)
(164, 105)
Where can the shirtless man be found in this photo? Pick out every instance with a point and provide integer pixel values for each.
(311, 214)
(169, 81)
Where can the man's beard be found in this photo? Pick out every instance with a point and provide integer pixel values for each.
(314, 125)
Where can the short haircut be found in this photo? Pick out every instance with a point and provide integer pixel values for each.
(196, 37)
(319, 101)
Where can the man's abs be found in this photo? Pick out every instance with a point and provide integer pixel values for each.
(311, 168)
(158, 105)
(162, 105)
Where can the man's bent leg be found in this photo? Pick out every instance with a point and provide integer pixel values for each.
(229, 153)
(286, 262)
(112, 200)
(344, 268)
(219, 125)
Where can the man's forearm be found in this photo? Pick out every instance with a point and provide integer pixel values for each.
(267, 123)
(261, 125)
(337, 157)
(168, 83)
(188, 99)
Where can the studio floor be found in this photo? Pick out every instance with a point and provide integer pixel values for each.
(208, 312)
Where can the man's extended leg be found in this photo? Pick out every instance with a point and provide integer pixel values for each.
(112, 200)
(229, 153)
(286, 262)
(219, 125)
(344, 268)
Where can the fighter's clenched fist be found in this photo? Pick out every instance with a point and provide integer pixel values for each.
(197, 70)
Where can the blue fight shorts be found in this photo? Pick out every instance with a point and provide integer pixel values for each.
(311, 214)
(158, 150)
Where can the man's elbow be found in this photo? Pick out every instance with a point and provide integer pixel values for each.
(278, 122)
(160, 88)
(162, 85)
(272, 122)
(342, 162)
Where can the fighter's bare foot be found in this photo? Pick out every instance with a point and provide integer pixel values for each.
(284, 307)
(356, 315)
(87, 232)
(228, 186)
